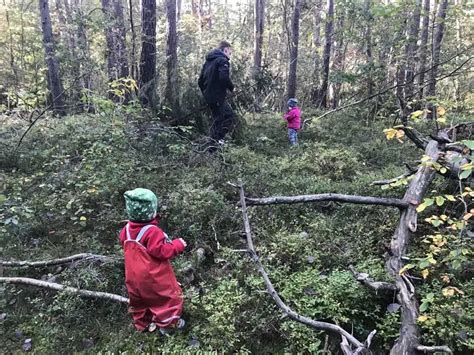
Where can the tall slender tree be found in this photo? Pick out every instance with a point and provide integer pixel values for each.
(411, 50)
(317, 49)
(295, 35)
(172, 88)
(54, 80)
(329, 29)
(368, 46)
(423, 48)
(259, 11)
(148, 54)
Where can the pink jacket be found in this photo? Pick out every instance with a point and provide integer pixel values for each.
(294, 118)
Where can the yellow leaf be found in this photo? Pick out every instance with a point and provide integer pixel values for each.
(425, 273)
(422, 319)
(83, 218)
(441, 111)
(390, 133)
(445, 279)
(450, 197)
(416, 114)
(448, 291)
(467, 216)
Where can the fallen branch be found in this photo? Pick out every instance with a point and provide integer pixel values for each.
(434, 349)
(391, 181)
(376, 285)
(361, 200)
(67, 289)
(60, 261)
(346, 336)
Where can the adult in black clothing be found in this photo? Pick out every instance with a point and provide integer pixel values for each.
(214, 82)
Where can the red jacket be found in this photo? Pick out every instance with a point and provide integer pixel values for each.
(154, 293)
(293, 117)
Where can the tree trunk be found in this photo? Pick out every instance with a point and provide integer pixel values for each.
(172, 89)
(436, 50)
(423, 49)
(368, 47)
(117, 63)
(133, 54)
(54, 80)
(317, 48)
(258, 35)
(148, 54)
(338, 64)
(411, 50)
(322, 101)
(295, 34)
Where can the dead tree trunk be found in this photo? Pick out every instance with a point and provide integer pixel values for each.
(368, 47)
(423, 49)
(148, 54)
(317, 48)
(172, 85)
(54, 79)
(411, 50)
(322, 101)
(133, 54)
(295, 35)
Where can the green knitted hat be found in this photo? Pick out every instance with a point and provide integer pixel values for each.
(141, 204)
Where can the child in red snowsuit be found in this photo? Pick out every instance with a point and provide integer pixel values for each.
(155, 296)
(293, 117)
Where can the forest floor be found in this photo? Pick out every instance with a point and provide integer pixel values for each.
(63, 194)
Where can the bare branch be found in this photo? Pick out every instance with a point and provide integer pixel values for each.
(434, 349)
(67, 289)
(376, 285)
(271, 290)
(53, 262)
(391, 181)
(361, 200)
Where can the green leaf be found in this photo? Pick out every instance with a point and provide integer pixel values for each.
(3, 198)
(469, 144)
(436, 222)
(424, 306)
(440, 200)
(405, 268)
(424, 264)
(465, 174)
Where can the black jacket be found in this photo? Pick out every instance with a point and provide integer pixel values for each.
(215, 77)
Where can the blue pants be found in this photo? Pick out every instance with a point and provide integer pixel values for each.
(293, 136)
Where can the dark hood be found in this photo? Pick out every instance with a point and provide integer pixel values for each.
(215, 53)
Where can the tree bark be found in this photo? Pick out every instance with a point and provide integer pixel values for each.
(133, 54)
(317, 48)
(172, 85)
(338, 63)
(361, 200)
(423, 49)
(148, 54)
(295, 34)
(54, 79)
(62, 288)
(322, 101)
(117, 63)
(258, 35)
(411, 50)
(436, 50)
(368, 46)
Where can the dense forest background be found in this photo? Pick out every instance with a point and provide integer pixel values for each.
(98, 97)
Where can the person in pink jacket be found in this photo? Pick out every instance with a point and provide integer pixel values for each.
(293, 117)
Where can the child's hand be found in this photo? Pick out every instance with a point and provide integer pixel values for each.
(184, 242)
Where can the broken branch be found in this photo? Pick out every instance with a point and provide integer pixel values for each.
(271, 289)
(376, 285)
(53, 262)
(361, 200)
(67, 289)
(433, 349)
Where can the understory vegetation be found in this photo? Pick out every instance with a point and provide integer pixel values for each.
(63, 194)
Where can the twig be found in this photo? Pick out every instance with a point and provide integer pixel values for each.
(271, 289)
(391, 181)
(53, 262)
(362, 200)
(376, 285)
(433, 349)
(67, 289)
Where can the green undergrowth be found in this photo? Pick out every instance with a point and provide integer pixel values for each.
(63, 194)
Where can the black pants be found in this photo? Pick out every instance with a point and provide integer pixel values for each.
(222, 120)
